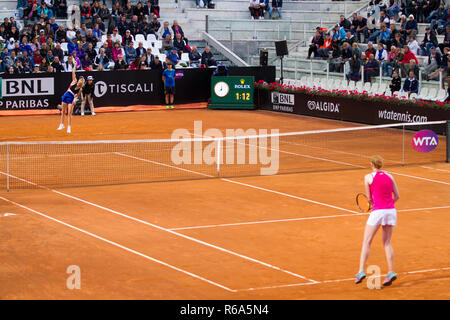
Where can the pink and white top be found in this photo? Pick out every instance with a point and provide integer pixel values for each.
(381, 188)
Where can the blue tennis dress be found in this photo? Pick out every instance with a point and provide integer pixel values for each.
(69, 96)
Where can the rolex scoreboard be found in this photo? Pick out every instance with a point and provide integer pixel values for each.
(232, 93)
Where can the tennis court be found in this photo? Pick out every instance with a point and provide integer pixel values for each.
(141, 227)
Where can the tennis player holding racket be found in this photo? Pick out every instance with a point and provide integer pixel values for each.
(383, 193)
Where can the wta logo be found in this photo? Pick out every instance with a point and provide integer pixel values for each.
(425, 141)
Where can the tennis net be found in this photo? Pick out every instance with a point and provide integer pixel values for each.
(93, 163)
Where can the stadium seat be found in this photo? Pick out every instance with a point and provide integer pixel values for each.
(388, 93)
(423, 93)
(140, 38)
(442, 95)
(359, 86)
(151, 38)
(64, 47)
(99, 44)
(162, 57)
(396, 94)
(432, 93)
(413, 96)
(342, 84)
(308, 83)
(403, 95)
(330, 84)
(374, 89)
(382, 88)
(324, 84)
(367, 87)
(104, 37)
(351, 86)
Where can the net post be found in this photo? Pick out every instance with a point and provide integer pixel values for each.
(7, 167)
(448, 141)
(218, 158)
(403, 145)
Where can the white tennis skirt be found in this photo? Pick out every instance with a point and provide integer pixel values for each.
(384, 217)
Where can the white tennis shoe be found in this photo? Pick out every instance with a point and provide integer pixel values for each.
(68, 129)
(61, 126)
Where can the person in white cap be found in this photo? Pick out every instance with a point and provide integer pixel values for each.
(88, 95)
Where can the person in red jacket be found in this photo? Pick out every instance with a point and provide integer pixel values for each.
(409, 61)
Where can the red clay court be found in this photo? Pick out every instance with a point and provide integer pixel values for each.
(136, 235)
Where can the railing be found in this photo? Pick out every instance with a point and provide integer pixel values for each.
(226, 52)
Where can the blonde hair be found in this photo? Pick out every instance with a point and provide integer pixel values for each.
(377, 161)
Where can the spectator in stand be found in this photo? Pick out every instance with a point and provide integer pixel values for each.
(429, 40)
(127, 38)
(60, 8)
(164, 31)
(354, 23)
(128, 11)
(345, 23)
(155, 25)
(155, 7)
(276, 6)
(442, 67)
(411, 28)
(116, 51)
(60, 34)
(394, 8)
(85, 62)
(101, 59)
(208, 58)
(120, 64)
(156, 64)
(140, 50)
(85, 11)
(371, 68)
(326, 48)
(116, 12)
(180, 44)
(167, 44)
(173, 56)
(139, 11)
(411, 84)
(356, 50)
(413, 45)
(176, 28)
(58, 52)
(354, 68)
(149, 57)
(434, 61)
(398, 41)
(255, 9)
(420, 5)
(344, 55)
(409, 58)
(381, 55)
(195, 57)
(133, 26)
(116, 36)
(76, 59)
(436, 16)
(384, 34)
(130, 53)
(396, 83)
(265, 7)
(361, 28)
(370, 49)
(316, 42)
(122, 25)
(145, 28)
(446, 42)
(135, 64)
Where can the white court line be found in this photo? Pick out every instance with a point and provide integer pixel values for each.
(119, 245)
(334, 281)
(296, 219)
(435, 169)
(240, 183)
(420, 178)
(167, 230)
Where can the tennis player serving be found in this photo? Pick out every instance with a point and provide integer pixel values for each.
(383, 193)
(69, 99)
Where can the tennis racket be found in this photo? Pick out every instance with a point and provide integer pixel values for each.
(363, 202)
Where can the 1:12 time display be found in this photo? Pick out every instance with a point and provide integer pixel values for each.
(243, 96)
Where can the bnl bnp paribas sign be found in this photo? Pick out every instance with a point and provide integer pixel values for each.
(26, 93)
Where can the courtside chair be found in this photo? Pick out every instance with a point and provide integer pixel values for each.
(442, 95)
(413, 96)
(351, 86)
(367, 87)
(359, 86)
(374, 89)
(423, 93)
(382, 88)
(432, 93)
